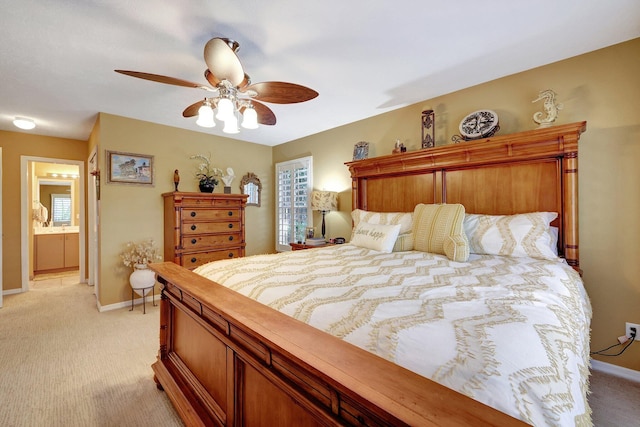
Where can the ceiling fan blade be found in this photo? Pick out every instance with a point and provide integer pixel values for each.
(282, 92)
(223, 62)
(192, 110)
(265, 115)
(162, 79)
(213, 80)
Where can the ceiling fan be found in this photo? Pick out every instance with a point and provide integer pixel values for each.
(232, 93)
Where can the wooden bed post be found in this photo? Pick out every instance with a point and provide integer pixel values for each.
(570, 210)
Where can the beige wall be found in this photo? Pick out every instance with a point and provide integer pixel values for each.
(601, 87)
(134, 212)
(14, 145)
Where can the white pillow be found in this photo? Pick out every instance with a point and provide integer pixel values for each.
(378, 237)
(520, 235)
(405, 219)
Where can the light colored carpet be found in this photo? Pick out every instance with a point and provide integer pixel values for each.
(62, 363)
(615, 401)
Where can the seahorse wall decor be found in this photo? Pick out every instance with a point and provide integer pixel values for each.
(550, 108)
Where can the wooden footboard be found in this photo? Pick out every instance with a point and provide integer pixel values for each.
(227, 360)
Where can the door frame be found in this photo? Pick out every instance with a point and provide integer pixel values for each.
(93, 221)
(1, 234)
(25, 222)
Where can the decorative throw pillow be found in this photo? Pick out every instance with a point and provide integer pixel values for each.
(405, 219)
(438, 229)
(520, 235)
(404, 242)
(378, 237)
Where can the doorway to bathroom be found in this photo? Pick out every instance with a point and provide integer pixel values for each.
(52, 218)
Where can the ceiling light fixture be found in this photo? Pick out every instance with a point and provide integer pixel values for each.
(250, 118)
(229, 107)
(24, 123)
(205, 115)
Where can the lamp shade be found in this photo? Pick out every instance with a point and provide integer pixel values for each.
(225, 109)
(324, 200)
(250, 118)
(205, 116)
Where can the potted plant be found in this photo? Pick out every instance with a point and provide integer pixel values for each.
(206, 174)
(137, 256)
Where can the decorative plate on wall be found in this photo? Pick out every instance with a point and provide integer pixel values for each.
(479, 124)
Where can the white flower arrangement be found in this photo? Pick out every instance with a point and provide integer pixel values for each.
(206, 173)
(140, 253)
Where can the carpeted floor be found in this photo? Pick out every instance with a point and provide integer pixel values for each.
(62, 363)
(65, 364)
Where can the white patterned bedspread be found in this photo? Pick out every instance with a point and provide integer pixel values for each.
(512, 333)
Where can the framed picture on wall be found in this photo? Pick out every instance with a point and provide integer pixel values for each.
(129, 168)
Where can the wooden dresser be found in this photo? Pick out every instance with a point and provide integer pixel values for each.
(203, 227)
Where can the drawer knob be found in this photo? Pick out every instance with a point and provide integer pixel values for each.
(193, 241)
(230, 238)
(193, 213)
(230, 225)
(230, 213)
(193, 227)
(193, 259)
(230, 254)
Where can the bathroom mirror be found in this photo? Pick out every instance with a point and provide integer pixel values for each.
(251, 186)
(59, 198)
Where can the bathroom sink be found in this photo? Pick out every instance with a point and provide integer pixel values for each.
(56, 230)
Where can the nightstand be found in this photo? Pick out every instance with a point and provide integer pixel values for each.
(301, 246)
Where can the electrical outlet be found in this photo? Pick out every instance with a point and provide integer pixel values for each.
(628, 330)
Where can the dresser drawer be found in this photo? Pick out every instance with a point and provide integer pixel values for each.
(196, 259)
(190, 228)
(208, 202)
(202, 242)
(210, 214)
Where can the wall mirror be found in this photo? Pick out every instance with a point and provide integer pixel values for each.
(251, 186)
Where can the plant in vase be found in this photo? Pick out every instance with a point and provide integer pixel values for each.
(137, 256)
(207, 174)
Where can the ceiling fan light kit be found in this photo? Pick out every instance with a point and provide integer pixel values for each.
(205, 115)
(234, 94)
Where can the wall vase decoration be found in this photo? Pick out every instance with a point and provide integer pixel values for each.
(142, 279)
(206, 186)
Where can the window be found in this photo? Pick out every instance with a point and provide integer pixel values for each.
(294, 181)
(61, 209)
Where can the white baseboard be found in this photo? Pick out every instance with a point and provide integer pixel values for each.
(615, 370)
(123, 304)
(12, 291)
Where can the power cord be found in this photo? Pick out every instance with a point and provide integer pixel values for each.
(621, 341)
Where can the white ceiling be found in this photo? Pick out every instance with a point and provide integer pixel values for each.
(363, 57)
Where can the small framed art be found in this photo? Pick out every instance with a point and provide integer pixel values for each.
(310, 232)
(129, 168)
(361, 150)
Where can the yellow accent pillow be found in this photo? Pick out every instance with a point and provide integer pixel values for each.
(438, 229)
(404, 242)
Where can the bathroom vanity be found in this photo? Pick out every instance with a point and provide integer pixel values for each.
(56, 249)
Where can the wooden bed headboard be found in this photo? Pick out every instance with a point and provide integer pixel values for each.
(533, 171)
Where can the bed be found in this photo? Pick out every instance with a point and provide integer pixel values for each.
(350, 335)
